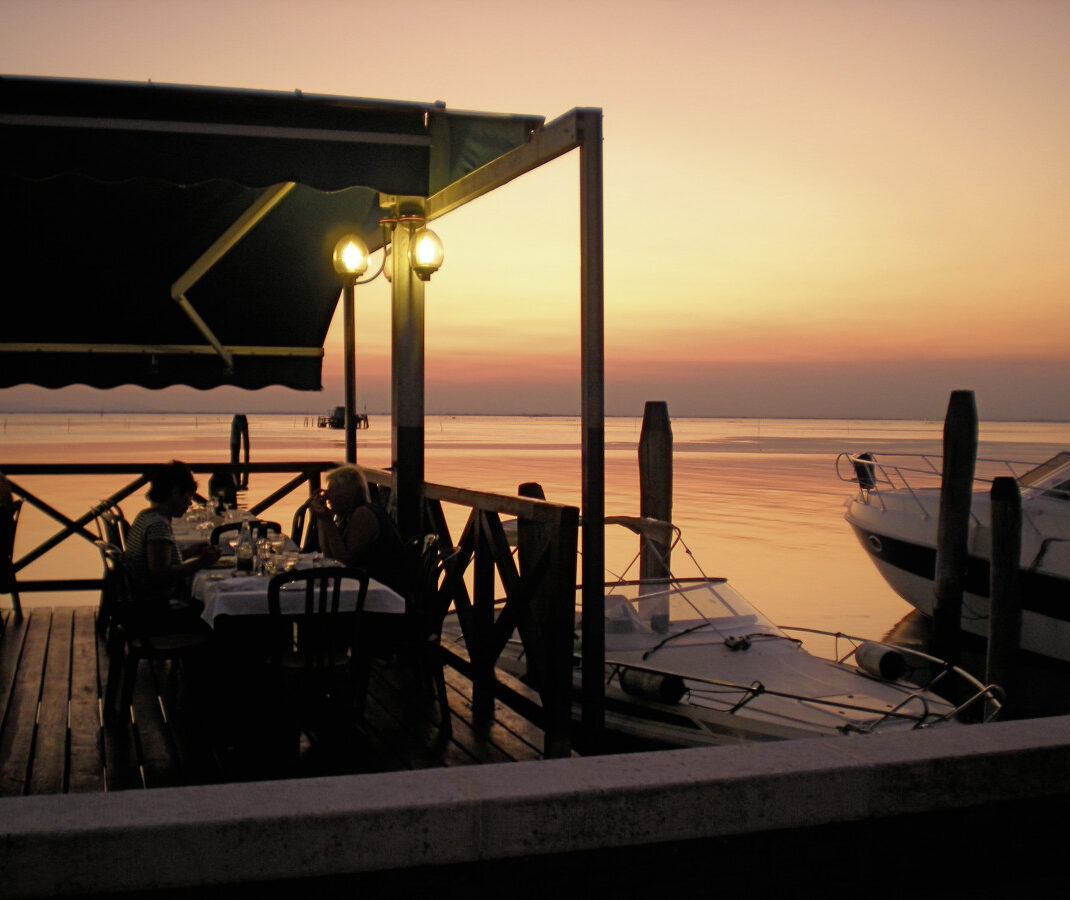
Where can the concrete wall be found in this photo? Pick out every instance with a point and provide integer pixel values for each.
(607, 814)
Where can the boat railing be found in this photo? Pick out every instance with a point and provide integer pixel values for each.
(988, 697)
(910, 473)
(750, 692)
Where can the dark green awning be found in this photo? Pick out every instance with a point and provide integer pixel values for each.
(112, 191)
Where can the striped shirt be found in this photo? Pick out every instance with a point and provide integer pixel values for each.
(149, 525)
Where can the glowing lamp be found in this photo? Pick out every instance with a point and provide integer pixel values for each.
(351, 256)
(425, 253)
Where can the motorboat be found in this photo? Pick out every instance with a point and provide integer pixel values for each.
(690, 662)
(894, 514)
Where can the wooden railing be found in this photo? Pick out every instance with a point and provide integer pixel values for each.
(539, 583)
(539, 593)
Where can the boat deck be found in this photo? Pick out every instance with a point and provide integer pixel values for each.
(54, 737)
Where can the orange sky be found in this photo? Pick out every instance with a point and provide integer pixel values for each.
(812, 208)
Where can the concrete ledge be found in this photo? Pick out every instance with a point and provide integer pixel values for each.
(242, 833)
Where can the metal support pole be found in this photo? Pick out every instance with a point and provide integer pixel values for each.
(349, 326)
(407, 401)
(592, 337)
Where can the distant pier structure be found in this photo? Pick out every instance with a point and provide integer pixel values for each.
(337, 419)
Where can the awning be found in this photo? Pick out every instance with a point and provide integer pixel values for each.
(134, 210)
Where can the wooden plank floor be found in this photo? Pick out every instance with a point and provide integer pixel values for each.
(54, 737)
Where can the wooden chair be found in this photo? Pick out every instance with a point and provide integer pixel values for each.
(9, 520)
(129, 642)
(113, 530)
(306, 538)
(312, 655)
(112, 526)
(111, 593)
(418, 643)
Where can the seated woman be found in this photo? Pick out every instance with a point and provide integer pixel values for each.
(156, 567)
(356, 531)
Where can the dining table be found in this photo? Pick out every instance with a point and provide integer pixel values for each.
(195, 527)
(251, 717)
(226, 592)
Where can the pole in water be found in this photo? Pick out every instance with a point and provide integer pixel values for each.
(956, 497)
(239, 439)
(655, 497)
(1005, 591)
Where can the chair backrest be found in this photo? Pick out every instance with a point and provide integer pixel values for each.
(9, 520)
(227, 527)
(117, 591)
(425, 605)
(308, 541)
(113, 527)
(326, 634)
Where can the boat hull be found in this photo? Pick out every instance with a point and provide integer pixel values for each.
(901, 542)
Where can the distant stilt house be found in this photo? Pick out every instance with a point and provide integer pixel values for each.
(337, 419)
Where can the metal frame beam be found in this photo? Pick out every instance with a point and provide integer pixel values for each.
(220, 247)
(156, 349)
(579, 128)
(549, 142)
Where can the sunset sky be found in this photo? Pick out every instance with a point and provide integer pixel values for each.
(812, 208)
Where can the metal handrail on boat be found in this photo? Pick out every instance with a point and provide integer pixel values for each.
(991, 694)
(757, 689)
(870, 472)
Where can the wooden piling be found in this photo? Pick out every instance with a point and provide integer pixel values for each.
(239, 440)
(956, 495)
(655, 495)
(547, 625)
(655, 481)
(1005, 604)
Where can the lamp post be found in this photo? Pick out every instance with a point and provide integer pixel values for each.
(350, 261)
(416, 253)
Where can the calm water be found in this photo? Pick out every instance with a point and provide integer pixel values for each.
(758, 500)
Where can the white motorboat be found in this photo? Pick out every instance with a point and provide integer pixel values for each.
(895, 513)
(690, 662)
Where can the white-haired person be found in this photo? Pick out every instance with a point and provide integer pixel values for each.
(356, 531)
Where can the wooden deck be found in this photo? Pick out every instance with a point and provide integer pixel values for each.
(54, 737)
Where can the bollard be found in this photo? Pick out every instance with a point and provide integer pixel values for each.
(956, 496)
(528, 537)
(655, 497)
(1005, 592)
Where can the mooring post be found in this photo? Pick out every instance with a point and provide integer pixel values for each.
(530, 538)
(239, 440)
(547, 626)
(655, 497)
(956, 495)
(1005, 593)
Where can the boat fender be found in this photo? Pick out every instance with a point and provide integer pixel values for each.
(652, 685)
(880, 660)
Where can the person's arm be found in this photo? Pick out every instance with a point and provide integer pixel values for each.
(158, 560)
(360, 534)
(362, 530)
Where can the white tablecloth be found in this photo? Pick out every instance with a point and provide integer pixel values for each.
(189, 534)
(226, 594)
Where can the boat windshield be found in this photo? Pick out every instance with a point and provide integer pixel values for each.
(1051, 477)
(633, 606)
